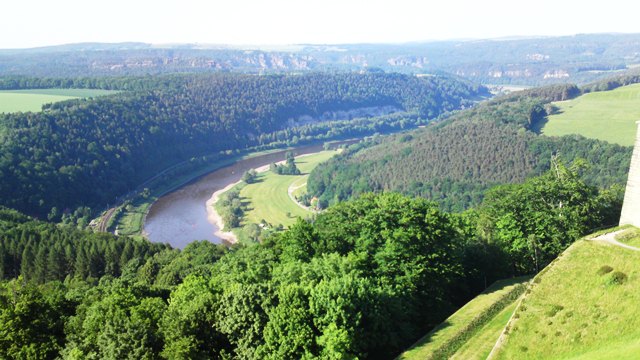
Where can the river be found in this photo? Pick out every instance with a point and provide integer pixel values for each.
(180, 217)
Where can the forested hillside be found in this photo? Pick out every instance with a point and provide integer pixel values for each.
(42, 252)
(87, 152)
(364, 279)
(456, 161)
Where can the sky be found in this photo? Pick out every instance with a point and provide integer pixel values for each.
(32, 23)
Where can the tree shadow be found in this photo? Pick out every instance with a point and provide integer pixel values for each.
(537, 126)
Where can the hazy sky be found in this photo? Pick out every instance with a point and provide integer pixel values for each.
(29, 23)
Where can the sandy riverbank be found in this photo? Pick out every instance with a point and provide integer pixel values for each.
(215, 218)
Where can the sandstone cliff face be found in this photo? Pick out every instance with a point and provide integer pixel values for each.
(556, 74)
(361, 112)
(409, 61)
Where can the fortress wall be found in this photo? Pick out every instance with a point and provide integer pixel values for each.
(631, 206)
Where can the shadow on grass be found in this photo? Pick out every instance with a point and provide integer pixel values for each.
(427, 338)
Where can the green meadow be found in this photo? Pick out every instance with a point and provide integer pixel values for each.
(605, 115)
(33, 99)
(268, 198)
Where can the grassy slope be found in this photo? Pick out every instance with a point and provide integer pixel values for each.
(268, 198)
(607, 115)
(456, 322)
(575, 313)
(479, 347)
(630, 236)
(32, 100)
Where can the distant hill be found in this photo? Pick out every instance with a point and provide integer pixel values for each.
(530, 61)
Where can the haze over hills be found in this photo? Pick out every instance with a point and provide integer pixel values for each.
(529, 61)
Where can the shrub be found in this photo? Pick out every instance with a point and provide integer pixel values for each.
(617, 278)
(605, 269)
(553, 310)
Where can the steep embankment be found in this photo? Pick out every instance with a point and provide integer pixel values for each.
(473, 319)
(455, 162)
(583, 305)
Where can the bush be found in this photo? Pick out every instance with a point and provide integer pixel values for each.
(554, 310)
(604, 269)
(617, 278)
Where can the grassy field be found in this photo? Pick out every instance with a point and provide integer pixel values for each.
(606, 115)
(630, 236)
(32, 100)
(456, 323)
(268, 198)
(578, 310)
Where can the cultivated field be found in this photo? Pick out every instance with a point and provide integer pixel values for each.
(606, 115)
(32, 100)
(585, 306)
(268, 198)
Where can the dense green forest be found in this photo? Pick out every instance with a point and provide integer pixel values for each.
(87, 152)
(456, 161)
(364, 279)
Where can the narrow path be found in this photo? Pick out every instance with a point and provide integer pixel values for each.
(293, 188)
(610, 238)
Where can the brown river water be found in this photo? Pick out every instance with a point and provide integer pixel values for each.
(181, 217)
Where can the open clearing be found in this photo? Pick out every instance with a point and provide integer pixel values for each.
(483, 336)
(584, 306)
(32, 100)
(268, 198)
(605, 115)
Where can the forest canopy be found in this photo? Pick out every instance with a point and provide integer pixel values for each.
(87, 152)
(364, 279)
